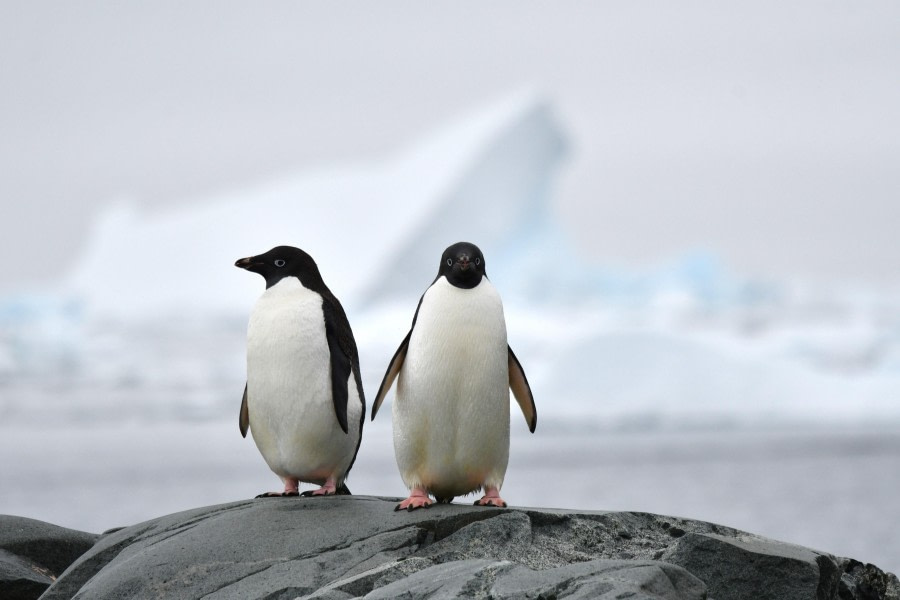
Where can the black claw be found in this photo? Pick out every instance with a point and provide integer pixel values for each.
(313, 494)
(397, 508)
(478, 503)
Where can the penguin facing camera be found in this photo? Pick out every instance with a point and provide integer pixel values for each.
(303, 402)
(454, 370)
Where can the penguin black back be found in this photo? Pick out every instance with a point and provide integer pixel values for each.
(287, 261)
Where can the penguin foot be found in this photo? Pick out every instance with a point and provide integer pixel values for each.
(291, 488)
(277, 494)
(328, 489)
(318, 492)
(322, 491)
(498, 502)
(491, 498)
(417, 499)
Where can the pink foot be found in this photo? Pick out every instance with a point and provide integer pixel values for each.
(329, 489)
(418, 498)
(291, 488)
(491, 498)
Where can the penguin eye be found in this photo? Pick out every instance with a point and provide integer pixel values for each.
(477, 261)
(449, 262)
(279, 263)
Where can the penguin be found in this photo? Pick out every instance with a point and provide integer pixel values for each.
(454, 370)
(303, 401)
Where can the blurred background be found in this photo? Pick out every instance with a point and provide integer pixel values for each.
(690, 211)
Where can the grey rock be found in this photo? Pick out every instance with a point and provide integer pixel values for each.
(264, 548)
(767, 570)
(866, 582)
(22, 579)
(49, 545)
(501, 538)
(357, 546)
(505, 580)
(634, 579)
(456, 579)
(34, 553)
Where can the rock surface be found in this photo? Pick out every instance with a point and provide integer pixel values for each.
(356, 546)
(33, 554)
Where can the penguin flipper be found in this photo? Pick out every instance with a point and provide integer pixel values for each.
(391, 374)
(521, 390)
(244, 417)
(341, 365)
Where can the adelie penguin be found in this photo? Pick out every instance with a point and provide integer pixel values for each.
(454, 370)
(303, 401)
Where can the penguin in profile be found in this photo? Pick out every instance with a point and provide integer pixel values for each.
(303, 401)
(454, 370)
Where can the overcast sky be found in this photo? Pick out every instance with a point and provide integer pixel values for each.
(768, 132)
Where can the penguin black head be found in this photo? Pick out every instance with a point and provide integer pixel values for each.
(281, 262)
(463, 265)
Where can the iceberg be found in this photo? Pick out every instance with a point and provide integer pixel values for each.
(376, 229)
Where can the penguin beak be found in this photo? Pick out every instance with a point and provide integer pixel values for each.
(245, 263)
(463, 261)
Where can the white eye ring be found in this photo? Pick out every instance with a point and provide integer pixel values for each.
(477, 261)
(279, 263)
(449, 262)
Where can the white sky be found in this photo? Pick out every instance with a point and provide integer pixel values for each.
(768, 132)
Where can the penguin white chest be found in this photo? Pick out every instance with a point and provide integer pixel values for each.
(290, 404)
(451, 412)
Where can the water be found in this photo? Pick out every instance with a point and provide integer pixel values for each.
(118, 423)
(832, 490)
